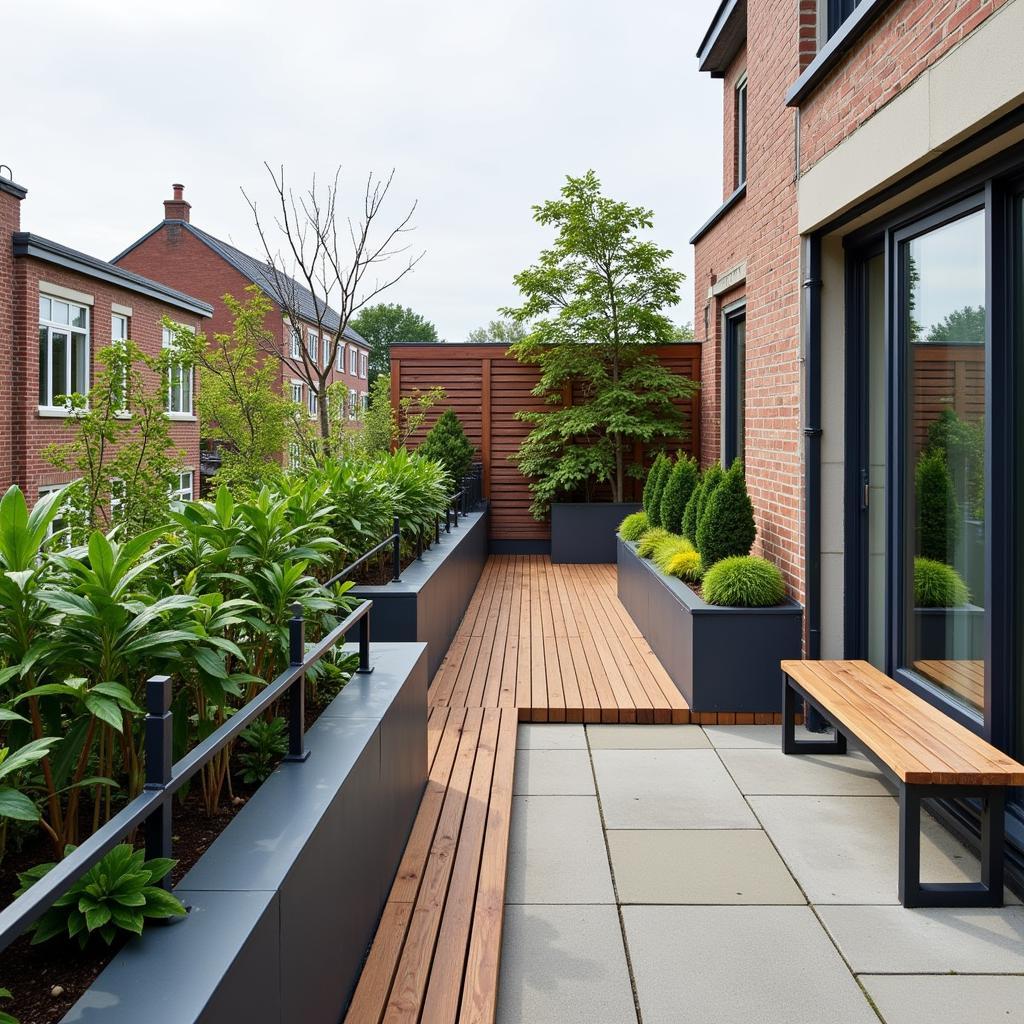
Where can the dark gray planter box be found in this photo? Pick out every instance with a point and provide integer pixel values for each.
(586, 531)
(427, 604)
(286, 901)
(721, 659)
(934, 625)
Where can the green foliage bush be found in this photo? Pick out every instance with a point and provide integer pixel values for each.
(634, 526)
(689, 525)
(649, 541)
(266, 742)
(937, 585)
(446, 443)
(726, 527)
(744, 581)
(676, 493)
(656, 481)
(685, 565)
(667, 548)
(938, 519)
(712, 477)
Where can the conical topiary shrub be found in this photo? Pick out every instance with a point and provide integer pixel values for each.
(937, 519)
(446, 443)
(659, 477)
(711, 479)
(690, 512)
(676, 493)
(726, 526)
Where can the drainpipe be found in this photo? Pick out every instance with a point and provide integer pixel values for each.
(812, 458)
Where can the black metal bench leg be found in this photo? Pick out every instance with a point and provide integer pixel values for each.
(790, 744)
(910, 846)
(992, 825)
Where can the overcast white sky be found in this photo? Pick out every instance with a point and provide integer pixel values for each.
(481, 107)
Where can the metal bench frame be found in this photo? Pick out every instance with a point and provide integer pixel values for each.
(912, 891)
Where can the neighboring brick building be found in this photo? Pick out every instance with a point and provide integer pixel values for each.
(859, 295)
(178, 252)
(58, 309)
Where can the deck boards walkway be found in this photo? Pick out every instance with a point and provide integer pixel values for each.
(539, 642)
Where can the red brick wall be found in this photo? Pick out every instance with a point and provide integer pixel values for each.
(10, 214)
(904, 42)
(32, 432)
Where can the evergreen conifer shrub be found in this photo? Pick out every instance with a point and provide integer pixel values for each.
(446, 443)
(937, 517)
(660, 471)
(690, 512)
(712, 478)
(676, 493)
(726, 527)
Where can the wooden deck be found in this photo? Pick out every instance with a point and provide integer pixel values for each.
(539, 642)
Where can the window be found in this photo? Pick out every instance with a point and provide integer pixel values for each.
(60, 526)
(296, 387)
(296, 343)
(117, 499)
(313, 402)
(352, 399)
(735, 367)
(363, 364)
(741, 131)
(353, 357)
(63, 351)
(364, 401)
(182, 488)
(179, 380)
(327, 351)
(313, 346)
(118, 337)
(294, 455)
(838, 12)
(339, 362)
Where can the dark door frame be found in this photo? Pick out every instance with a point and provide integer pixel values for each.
(731, 378)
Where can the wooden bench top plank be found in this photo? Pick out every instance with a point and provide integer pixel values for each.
(917, 741)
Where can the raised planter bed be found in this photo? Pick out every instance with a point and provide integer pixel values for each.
(721, 659)
(427, 604)
(285, 903)
(585, 531)
(943, 631)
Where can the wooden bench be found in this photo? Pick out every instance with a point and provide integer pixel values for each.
(924, 750)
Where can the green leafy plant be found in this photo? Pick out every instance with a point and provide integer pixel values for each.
(938, 585)
(689, 524)
(744, 581)
(661, 471)
(446, 443)
(677, 490)
(938, 518)
(116, 895)
(385, 323)
(667, 548)
(6, 1018)
(726, 527)
(634, 526)
(649, 541)
(267, 741)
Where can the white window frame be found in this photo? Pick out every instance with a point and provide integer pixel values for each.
(185, 376)
(364, 401)
(327, 351)
(339, 362)
(313, 403)
(58, 522)
(295, 345)
(313, 346)
(352, 403)
(119, 339)
(296, 391)
(364, 364)
(184, 491)
(353, 362)
(47, 323)
(294, 455)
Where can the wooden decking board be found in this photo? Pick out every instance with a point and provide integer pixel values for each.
(538, 642)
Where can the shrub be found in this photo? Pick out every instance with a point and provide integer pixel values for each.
(649, 541)
(685, 565)
(937, 518)
(676, 493)
(446, 443)
(267, 743)
(655, 486)
(667, 548)
(937, 585)
(726, 527)
(744, 581)
(634, 526)
(690, 512)
(116, 895)
(713, 476)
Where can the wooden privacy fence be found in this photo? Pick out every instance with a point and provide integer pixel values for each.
(486, 387)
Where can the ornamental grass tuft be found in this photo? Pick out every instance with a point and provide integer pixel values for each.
(744, 581)
(937, 585)
(685, 565)
(649, 541)
(634, 526)
(667, 548)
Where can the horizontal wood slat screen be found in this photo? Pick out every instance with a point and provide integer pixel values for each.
(486, 388)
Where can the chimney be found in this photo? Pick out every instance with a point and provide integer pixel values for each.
(177, 208)
(11, 195)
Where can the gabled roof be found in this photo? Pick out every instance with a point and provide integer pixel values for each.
(259, 273)
(27, 244)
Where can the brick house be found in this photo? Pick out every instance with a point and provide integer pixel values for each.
(58, 309)
(858, 295)
(178, 252)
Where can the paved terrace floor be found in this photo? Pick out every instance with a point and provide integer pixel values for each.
(612, 873)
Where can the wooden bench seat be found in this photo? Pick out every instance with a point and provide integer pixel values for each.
(924, 750)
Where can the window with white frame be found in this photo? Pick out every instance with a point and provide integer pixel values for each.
(60, 524)
(118, 338)
(179, 380)
(296, 387)
(313, 346)
(363, 364)
(295, 347)
(63, 350)
(181, 489)
(327, 351)
(353, 360)
(294, 456)
(364, 401)
(313, 403)
(339, 362)
(352, 399)
(117, 500)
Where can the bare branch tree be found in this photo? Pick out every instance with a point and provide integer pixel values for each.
(320, 272)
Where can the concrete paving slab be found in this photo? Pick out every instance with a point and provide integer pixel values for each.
(753, 736)
(735, 965)
(699, 866)
(892, 939)
(564, 965)
(952, 999)
(557, 852)
(550, 737)
(843, 849)
(553, 772)
(772, 772)
(668, 789)
(646, 737)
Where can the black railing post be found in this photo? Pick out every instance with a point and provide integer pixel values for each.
(419, 545)
(159, 752)
(448, 518)
(396, 551)
(455, 509)
(437, 529)
(297, 691)
(364, 645)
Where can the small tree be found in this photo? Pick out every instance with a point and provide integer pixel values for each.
(726, 526)
(385, 323)
(594, 304)
(447, 444)
(653, 488)
(937, 516)
(502, 332)
(676, 493)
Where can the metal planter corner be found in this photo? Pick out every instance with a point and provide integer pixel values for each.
(586, 531)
